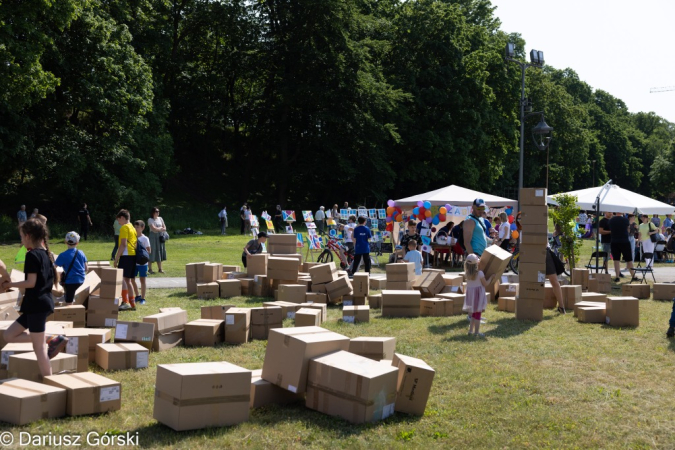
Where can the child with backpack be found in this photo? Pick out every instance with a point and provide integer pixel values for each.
(475, 299)
(141, 269)
(74, 263)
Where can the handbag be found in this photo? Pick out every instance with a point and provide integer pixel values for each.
(64, 275)
(652, 237)
(559, 265)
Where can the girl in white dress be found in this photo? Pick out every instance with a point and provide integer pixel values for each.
(475, 299)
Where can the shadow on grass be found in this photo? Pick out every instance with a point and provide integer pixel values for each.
(443, 329)
(180, 294)
(503, 328)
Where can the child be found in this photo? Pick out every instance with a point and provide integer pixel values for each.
(37, 302)
(141, 271)
(414, 256)
(74, 264)
(475, 299)
(125, 259)
(361, 236)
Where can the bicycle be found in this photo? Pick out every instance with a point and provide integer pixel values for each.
(513, 264)
(335, 246)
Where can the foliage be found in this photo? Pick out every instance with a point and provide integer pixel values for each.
(564, 215)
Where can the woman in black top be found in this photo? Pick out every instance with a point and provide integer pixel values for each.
(37, 303)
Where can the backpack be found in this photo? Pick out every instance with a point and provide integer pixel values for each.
(142, 255)
(460, 234)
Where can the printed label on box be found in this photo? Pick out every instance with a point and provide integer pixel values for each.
(309, 302)
(292, 388)
(121, 331)
(290, 314)
(147, 339)
(117, 301)
(73, 345)
(141, 360)
(109, 394)
(347, 303)
(505, 279)
(512, 288)
(541, 277)
(538, 192)
(388, 410)
(348, 319)
(229, 319)
(110, 322)
(5, 357)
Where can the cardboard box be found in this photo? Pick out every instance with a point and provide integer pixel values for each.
(257, 264)
(550, 302)
(534, 215)
(580, 277)
(282, 268)
(306, 317)
(375, 301)
(593, 297)
(208, 290)
(25, 366)
(92, 282)
(142, 333)
(378, 284)
(400, 285)
(323, 273)
(375, 348)
(121, 356)
(415, 378)
(532, 197)
(261, 286)
(170, 309)
(533, 253)
(96, 336)
(635, 290)
(535, 234)
(199, 395)
(509, 289)
(528, 309)
(356, 314)
(74, 313)
(204, 332)
(265, 319)
(167, 341)
(455, 305)
(57, 326)
(229, 288)
(168, 322)
(494, 261)
(401, 303)
(591, 314)
(454, 289)
(621, 312)
(88, 393)
(600, 282)
(10, 298)
(15, 348)
(582, 304)
(111, 282)
(318, 306)
(352, 387)
(264, 393)
(215, 312)
(292, 293)
(314, 297)
(9, 313)
(318, 288)
(237, 325)
(287, 309)
(531, 273)
(400, 272)
(281, 243)
(507, 304)
(78, 345)
(361, 284)
(211, 272)
(509, 278)
(664, 291)
(338, 288)
(433, 307)
(451, 279)
(289, 351)
(532, 290)
(25, 401)
(571, 295)
(102, 312)
(429, 284)
(230, 268)
(3, 326)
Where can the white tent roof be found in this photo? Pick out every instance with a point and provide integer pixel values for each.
(456, 196)
(615, 199)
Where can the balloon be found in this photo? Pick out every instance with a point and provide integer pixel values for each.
(435, 220)
(513, 227)
(399, 218)
(443, 210)
(515, 234)
(390, 210)
(428, 220)
(421, 212)
(397, 208)
(433, 230)
(427, 205)
(388, 219)
(391, 203)
(448, 206)
(508, 210)
(442, 217)
(390, 227)
(511, 219)
(416, 211)
(427, 213)
(420, 204)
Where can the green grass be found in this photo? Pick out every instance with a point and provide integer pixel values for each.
(557, 383)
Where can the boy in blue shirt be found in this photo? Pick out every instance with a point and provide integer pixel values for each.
(361, 236)
(74, 264)
(414, 256)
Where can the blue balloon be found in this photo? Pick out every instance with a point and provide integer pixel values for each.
(509, 211)
(416, 211)
(427, 205)
(436, 220)
(514, 227)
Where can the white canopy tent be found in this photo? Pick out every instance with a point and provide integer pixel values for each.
(456, 196)
(615, 199)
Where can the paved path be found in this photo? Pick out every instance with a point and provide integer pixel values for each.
(167, 283)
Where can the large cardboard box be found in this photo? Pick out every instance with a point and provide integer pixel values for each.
(378, 284)
(429, 284)
(121, 356)
(533, 197)
(529, 309)
(591, 314)
(434, 307)
(593, 297)
(96, 336)
(338, 288)
(212, 272)
(282, 268)
(352, 387)
(265, 319)
(356, 314)
(580, 277)
(261, 286)
(142, 333)
(199, 395)
(91, 284)
(215, 312)
(292, 293)
(102, 312)
(361, 284)
(571, 295)
(452, 279)
(306, 317)
(375, 348)
(229, 288)
(584, 304)
(88, 393)
(600, 282)
(26, 401)
(621, 312)
(531, 273)
(507, 304)
(25, 366)
(318, 306)
(15, 348)
(282, 243)
(550, 302)
(635, 290)
(204, 332)
(287, 309)
(78, 345)
(455, 304)
(74, 313)
(664, 291)
(57, 326)
(415, 378)
(264, 393)
(531, 290)
(289, 351)
(257, 264)
(111, 282)
(3, 326)
(237, 325)
(375, 301)
(400, 285)
(323, 273)
(458, 289)
(509, 289)
(535, 234)
(400, 272)
(494, 261)
(208, 290)
(10, 298)
(168, 322)
(533, 215)
(401, 303)
(314, 297)
(533, 253)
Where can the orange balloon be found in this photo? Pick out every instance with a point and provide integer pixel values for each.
(443, 210)
(399, 218)
(515, 234)
(427, 213)
(390, 210)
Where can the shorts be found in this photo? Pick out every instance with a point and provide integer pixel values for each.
(128, 265)
(607, 248)
(622, 248)
(141, 271)
(550, 265)
(70, 291)
(35, 322)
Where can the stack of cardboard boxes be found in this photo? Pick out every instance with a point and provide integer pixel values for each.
(400, 276)
(533, 248)
(169, 328)
(102, 308)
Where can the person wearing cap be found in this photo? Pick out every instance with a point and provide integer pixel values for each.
(320, 218)
(475, 239)
(253, 247)
(74, 264)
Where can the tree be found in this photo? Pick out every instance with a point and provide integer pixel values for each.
(564, 215)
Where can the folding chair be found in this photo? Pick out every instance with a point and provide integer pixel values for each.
(647, 269)
(601, 261)
(659, 251)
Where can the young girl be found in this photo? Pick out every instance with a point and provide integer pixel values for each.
(475, 299)
(37, 302)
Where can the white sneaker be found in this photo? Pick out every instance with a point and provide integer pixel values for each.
(125, 306)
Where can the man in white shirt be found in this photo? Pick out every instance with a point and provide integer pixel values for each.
(222, 215)
(320, 219)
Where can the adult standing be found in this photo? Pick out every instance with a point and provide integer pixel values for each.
(633, 234)
(247, 220)
(605, 237)
(85, 221)
(667, 223)
(116, 228)
(656, 220)
(475, 239)
(335, 212)
(21, 215)
(647, 229)
(35, 214)
(278, 220)
(242, 217)
(157, 245)
(620, 245)
(222, 215)
(504, 232)
(320, 218)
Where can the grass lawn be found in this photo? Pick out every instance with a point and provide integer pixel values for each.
(557, 383)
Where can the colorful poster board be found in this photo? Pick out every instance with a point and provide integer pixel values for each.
(372, 213)
(382, 214)
(314, 242)
(254, 222)
(310, 225)
(299, 241)
(288, 216)
(362, 213)
(265, 216)
(270, 225)
(344, 214)
(289, 229)
(353, 212)
(330, 222)
(307, 216)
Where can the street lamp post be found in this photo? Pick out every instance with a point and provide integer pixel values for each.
(593, 185)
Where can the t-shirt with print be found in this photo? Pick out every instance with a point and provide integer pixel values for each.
(144, 242)
(414, 256)
(77, 272)
(39, 298)
(361, 235)
(128, 232)
(348, 236)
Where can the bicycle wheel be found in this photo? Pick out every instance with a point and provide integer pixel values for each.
(513, 264)
(325, 257)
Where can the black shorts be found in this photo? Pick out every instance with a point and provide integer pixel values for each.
(550, 265)
(35, 322)
(70, 291)
(622, 248)
(128, 265)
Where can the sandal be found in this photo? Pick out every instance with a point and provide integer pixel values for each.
(161, 271)
(150, 272)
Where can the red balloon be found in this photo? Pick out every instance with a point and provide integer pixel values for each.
(442, 217)
(511, 219)
(390, 226)
(421, 212)
(433, 230)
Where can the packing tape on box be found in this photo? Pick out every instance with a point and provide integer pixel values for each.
(170, 330)
(44, 399)
(97, 391)
(375, 356)
(202, 401)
